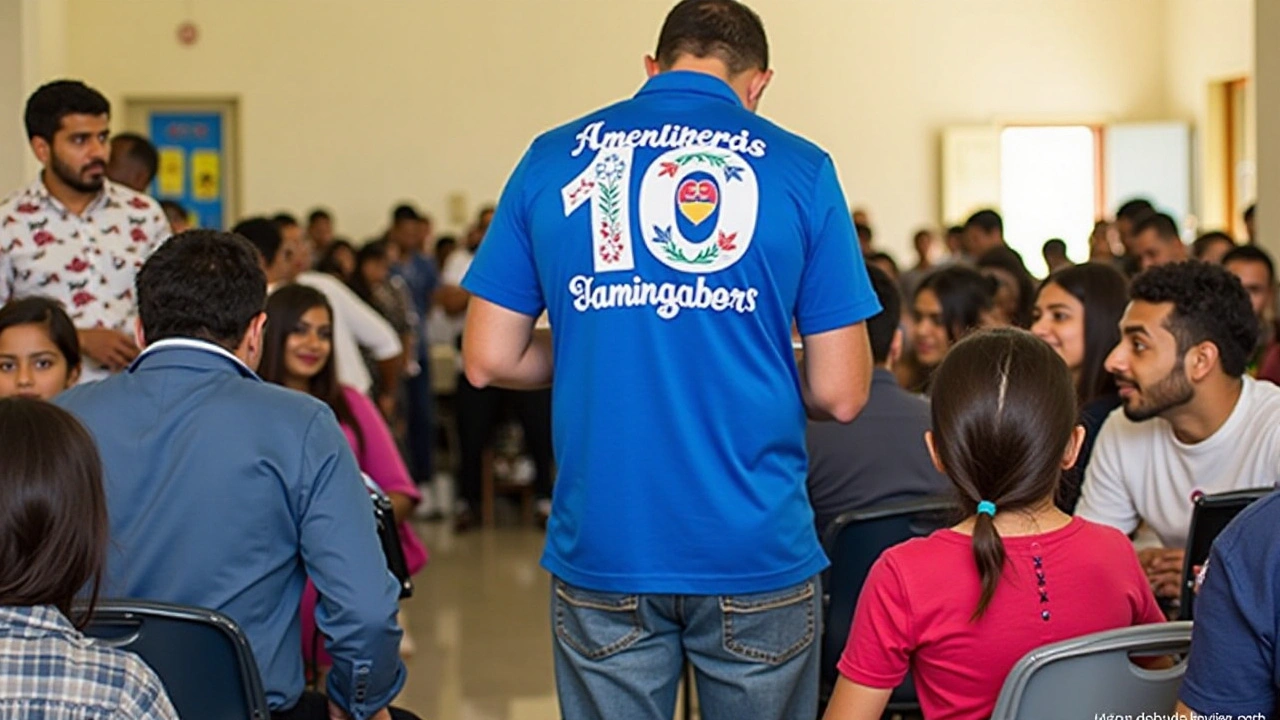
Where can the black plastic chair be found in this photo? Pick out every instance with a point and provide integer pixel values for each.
(201, 656)
(853, 542)
(1210, 516)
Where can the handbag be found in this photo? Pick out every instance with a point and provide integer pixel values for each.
(389, 536)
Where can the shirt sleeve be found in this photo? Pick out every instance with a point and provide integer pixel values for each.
(1232, 663)
(503, 271)
(358, 596)
(379, 457)
(1105, 496)
(834, 288)
(878, 651)
(371, 331)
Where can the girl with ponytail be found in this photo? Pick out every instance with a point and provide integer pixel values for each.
(960, 607)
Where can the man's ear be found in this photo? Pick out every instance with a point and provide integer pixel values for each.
(895, 347)
(651, 66)
(252, 343)
(756, 88)
(1201, 360)
(43, 151)
(139, 336)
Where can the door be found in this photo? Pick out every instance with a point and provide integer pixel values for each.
(197, 144)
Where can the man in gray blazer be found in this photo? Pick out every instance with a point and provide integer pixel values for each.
(226, 492)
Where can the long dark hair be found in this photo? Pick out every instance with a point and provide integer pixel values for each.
(285, 309)
(38, 310)
(964, 295)
(1104, 293)
(53, 511)
(1004, 258)
(372, 252)
(329, 264)
(1003, 411)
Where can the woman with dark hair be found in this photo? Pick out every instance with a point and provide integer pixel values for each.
(1078, 312)
(1014, 289)
(373, 283)
(948, 305)
(960, 607)
(53, 536)
(39, 349)
(297, 352)
(338, 260)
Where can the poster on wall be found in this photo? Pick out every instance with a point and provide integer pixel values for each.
(192, 156)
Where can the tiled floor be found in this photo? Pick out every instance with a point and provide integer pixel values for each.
(479, 619)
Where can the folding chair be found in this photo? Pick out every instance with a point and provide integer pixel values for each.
(853, 542)
(201, 656)
(1211, 515)
(1092, 676)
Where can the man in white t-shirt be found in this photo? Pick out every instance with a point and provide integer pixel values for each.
(1192, 422)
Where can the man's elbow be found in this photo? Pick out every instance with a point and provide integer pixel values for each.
(477, 377)
(480, 373)
(846, 407)
(844, 403)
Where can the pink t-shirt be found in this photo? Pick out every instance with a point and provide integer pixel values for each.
(915, 607)
(379, 458)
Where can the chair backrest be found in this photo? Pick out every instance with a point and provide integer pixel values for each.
(1209, 517)
(853, 541)
(1092, 676)
(201, 656)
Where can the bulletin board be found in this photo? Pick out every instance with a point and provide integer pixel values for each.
(193, 158)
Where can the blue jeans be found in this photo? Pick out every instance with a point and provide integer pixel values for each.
(620, 656)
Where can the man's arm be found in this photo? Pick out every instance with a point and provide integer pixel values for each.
(1104, 495)
(371, 331)
(109, 347)
(452, 299)
(836, 373)
(500, 347)
(358, 596)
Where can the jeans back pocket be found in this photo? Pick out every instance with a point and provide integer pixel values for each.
(596, 624)
(770, 627)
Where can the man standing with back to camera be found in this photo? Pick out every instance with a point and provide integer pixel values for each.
(672, 239)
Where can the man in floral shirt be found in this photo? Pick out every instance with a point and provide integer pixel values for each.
(73, 235)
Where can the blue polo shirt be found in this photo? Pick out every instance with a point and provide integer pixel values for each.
(672, 239)
(1234, 666)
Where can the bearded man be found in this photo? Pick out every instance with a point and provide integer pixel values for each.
(1192, 421)
(74, 235)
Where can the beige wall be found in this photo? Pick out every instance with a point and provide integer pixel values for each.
(1208, 41)
(359, 104)
(33, 38)
(1268, 106)
(11, 96)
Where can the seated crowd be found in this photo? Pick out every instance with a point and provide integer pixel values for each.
(223, 397)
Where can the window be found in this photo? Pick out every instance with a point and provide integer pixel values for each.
(1048, 189)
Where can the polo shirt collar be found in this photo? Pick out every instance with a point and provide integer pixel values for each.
(205, 347)
(688, 81)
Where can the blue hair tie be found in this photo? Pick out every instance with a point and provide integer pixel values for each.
(987, 507)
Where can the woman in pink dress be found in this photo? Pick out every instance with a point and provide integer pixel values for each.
(297, 353)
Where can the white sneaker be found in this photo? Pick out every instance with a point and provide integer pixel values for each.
(523, 471)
